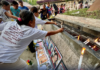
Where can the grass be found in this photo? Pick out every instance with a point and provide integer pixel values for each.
(84, 13)
(33, 2)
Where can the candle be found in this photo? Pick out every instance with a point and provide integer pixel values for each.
(78, 38)
(87, 41)
(81, 58)
(61, 24)
(80, 62)
(93, 47)
(96, 41)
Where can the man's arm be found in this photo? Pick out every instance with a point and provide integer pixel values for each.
(51, 23)
(39, 21)
(11, 16)
(54, 32)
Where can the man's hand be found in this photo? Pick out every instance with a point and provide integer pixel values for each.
(61, 29)
(55, 23)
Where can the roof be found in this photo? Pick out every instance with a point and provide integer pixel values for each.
(45, 1)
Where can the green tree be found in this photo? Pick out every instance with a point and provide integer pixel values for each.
(32, 2)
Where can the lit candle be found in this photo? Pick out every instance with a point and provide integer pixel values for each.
(96, 41)
(87, 41)
(81, 58)
(93, 47)
(78, 38)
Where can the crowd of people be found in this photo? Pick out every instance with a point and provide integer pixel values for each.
(49, 10)
(81, 5)
(18, 26)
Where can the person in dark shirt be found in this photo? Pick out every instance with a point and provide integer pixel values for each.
(44, 13)
(56, 9)
(61, 8)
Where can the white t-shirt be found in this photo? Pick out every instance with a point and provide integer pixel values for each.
(4, 17)
(2, 13)
(39, 21)
(14, 40)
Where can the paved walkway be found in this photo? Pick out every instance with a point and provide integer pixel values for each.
(27, 55)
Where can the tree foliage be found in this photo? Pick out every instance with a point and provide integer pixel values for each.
(32, 2)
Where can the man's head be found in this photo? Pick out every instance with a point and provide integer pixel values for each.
(20, 3)
(86, 2)
(48, 4)
(35, 11)
(61, 5)
(5, 5)
(15, 4)
(44, 6)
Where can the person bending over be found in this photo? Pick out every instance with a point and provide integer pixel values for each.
(15, 37)
(37, 21)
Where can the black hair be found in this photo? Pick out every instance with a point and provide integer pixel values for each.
(25, 16)
(34, 10)
(44, 4)
(61, 4)
(51, 5)
(5, 3)
(55, 7)
(86, 2)
(14, 3)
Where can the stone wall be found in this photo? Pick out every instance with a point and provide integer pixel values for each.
(70, 49)
(81, 20)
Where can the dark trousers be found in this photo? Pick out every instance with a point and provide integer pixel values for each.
(56, 13)
(31, 47)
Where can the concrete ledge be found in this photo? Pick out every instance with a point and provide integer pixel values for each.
(84, 27)
(81, 20)
(70, 49)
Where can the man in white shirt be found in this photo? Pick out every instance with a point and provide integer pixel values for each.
(38, 21)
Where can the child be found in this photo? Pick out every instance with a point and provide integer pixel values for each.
(61, 8)
(4, 11)
(14, 39)
(1, 20)
(14, 9)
